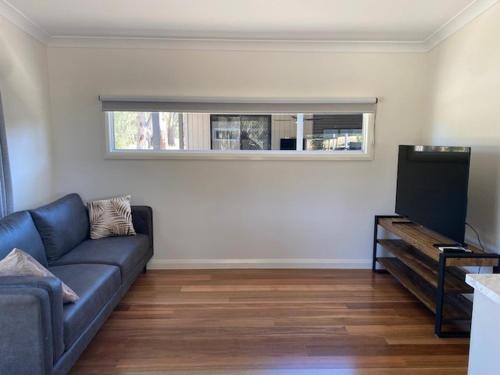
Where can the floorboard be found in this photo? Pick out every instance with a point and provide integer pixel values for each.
(270, 322)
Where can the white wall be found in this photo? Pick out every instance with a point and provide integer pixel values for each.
(25, 95)
(208, 211)
(465, 110)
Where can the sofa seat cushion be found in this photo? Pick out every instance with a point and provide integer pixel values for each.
(95, 284)
(125, 252)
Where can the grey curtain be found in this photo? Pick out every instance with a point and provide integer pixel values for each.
(5, 177)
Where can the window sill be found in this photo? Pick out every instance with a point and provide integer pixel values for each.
(240, 155)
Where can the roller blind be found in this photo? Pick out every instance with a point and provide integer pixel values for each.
(235, 105)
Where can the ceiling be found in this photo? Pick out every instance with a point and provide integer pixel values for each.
(321, 20)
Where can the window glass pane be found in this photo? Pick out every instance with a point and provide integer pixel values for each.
(133, 130)
(255, 133)
(241, 132)
(226, 132)
(333, 132)
(170, 131)
(196, 131)
(284, 132)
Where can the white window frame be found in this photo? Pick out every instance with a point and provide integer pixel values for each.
(367, 153)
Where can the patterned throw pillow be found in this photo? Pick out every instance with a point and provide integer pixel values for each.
(111, 217)
(19, 263)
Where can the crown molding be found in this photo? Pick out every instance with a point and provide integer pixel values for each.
(18, 18)
(238, 44)
(467, 15)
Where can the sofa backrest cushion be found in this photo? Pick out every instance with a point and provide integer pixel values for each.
(62, 224)
(18, 230)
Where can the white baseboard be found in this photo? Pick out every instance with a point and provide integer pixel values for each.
(259, 263)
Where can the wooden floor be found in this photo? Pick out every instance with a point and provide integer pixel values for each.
(271, 322)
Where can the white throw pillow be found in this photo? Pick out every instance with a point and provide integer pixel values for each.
(111, 217)
(19, 263)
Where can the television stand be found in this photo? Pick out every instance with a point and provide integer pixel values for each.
(437, 279)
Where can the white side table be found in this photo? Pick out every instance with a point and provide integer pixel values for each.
(484, 351)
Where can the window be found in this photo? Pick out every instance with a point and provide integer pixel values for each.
(134, 133)
(147, 130)
(240, 132)
(338, 132)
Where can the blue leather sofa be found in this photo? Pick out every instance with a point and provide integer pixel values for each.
(38, 334)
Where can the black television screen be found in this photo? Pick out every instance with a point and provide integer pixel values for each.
(432, 188)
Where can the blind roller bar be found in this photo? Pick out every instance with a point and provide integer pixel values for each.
(238, 105)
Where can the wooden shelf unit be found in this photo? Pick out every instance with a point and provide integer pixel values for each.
(436, 279)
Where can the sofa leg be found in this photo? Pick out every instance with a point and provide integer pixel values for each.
(145, 269)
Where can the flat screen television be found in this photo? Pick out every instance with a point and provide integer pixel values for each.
(432, 188)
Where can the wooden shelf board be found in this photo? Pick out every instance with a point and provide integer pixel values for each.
(423, 240)
(456, 306)
(426, 267)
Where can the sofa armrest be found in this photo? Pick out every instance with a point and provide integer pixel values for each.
(30, 297)
(142, 218)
